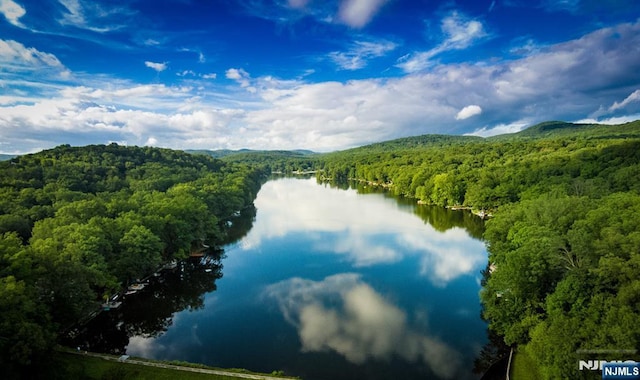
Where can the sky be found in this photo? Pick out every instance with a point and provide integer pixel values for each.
(322, 75)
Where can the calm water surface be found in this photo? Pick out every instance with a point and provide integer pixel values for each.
(325, 283)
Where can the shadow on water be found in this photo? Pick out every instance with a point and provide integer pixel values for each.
(492, 360)
(149, 312)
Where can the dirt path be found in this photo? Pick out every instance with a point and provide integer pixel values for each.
(180, 368)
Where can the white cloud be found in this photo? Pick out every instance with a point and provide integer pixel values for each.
(12, 11)
(468, 111)
(633, 98)
(157, 66)
(39, 67)
(499, 129)
(358, 13)
(15, 53)
(360, 52)
(210, 76)
(345, 315)
(459, 33)
(93, 16)
(185, 73)
(39, 95)
(610, 120)
(236, 74)
(242, 77)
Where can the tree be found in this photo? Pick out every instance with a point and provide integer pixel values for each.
(140, 254)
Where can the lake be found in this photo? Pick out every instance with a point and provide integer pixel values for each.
(323, 283)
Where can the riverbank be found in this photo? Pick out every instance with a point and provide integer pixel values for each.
(89, 365)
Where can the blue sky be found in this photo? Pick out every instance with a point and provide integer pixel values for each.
(308, 74)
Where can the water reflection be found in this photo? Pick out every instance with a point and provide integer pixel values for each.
(150, 312)
(362, 230)
(368, 290)
(344, 314)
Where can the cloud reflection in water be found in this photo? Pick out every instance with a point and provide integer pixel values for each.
(346, 315)
(363, 231)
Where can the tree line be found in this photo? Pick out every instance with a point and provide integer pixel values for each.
(563, 242)
(80, 223)
(564, 239)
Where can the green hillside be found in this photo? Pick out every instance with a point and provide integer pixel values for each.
(563, 242)
(80, 223)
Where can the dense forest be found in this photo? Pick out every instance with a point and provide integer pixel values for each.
(564, 235)
(564, 239)
(78, 224)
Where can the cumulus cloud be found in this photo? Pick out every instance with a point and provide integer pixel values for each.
(12, 11)
(459, 33)
(469, 111)
(360, 53)
(281, 113)
(361, 325)
(242, 77)
(358, 13)
(157, 66)
(80, 114)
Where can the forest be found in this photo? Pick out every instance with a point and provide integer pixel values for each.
(564, 232)
(78, 224)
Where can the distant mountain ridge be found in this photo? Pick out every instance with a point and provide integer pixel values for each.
(219, 153)
(547, 129)
(558, 128)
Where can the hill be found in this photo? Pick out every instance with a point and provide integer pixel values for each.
(561, 128)
(242, 153)
(78, 224)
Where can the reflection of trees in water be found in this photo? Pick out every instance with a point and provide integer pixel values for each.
(493, 351)
(149, 312)
(443, 219)
(440, 218)
(239, 226)
(490, 355)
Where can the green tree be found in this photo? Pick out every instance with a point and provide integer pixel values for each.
(140, 254)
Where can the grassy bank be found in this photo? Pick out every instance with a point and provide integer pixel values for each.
(523, 367)
(69, 365)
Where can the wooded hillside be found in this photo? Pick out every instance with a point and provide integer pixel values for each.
(564, 240)
(79, 223)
